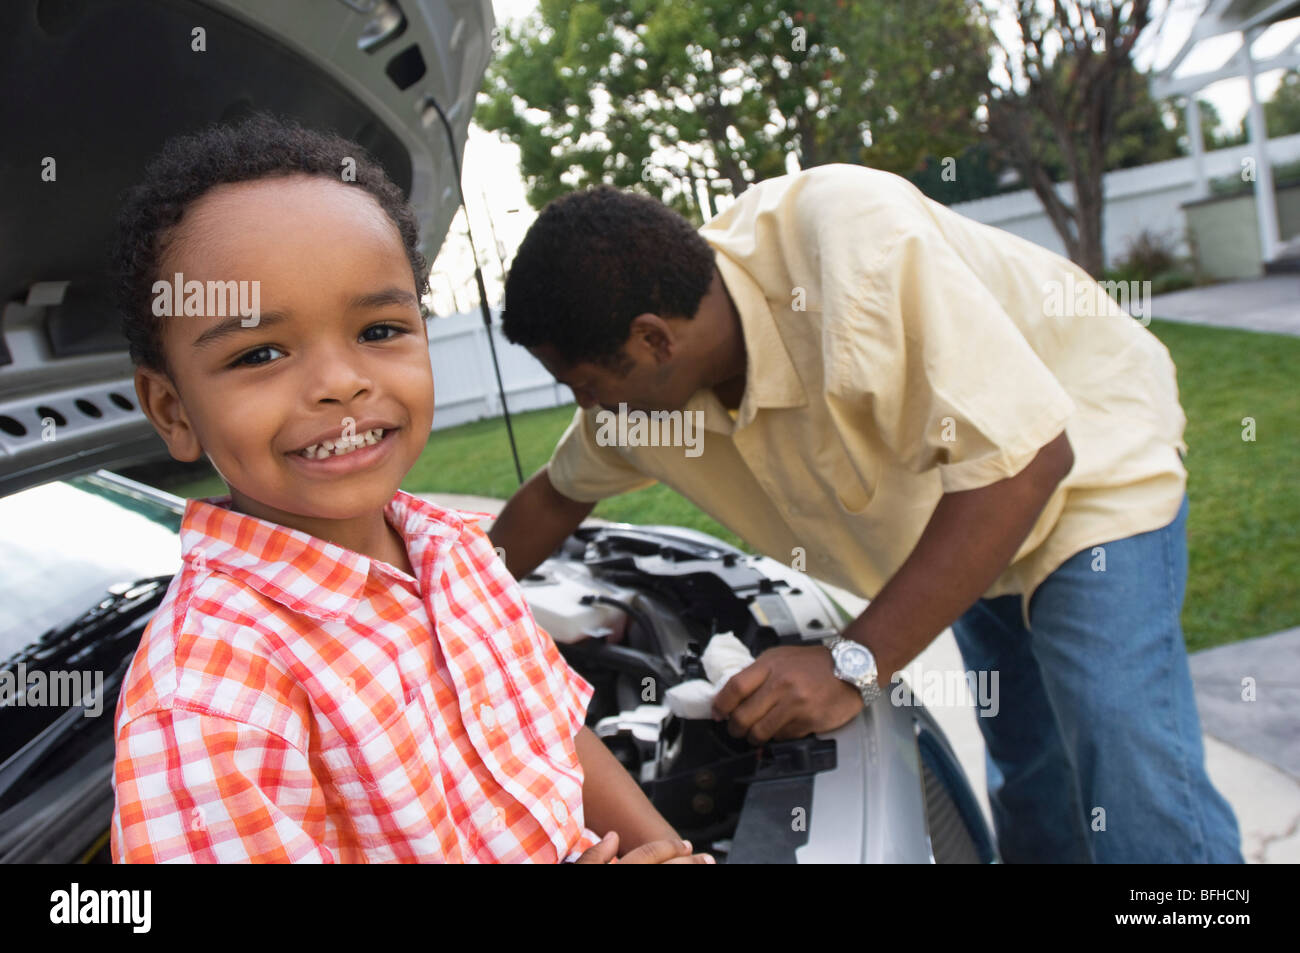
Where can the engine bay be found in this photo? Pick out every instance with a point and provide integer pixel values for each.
(632, 610)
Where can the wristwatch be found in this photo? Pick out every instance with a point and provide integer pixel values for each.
(855, 664)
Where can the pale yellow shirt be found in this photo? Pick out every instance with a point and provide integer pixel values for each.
(896, 351)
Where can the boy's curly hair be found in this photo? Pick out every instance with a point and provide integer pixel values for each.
(591, 262)
(257, 147)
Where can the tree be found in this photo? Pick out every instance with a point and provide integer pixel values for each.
(1214, 135)
(1146, 129)
(1282, 112)
(695, 99)
(1069, 69)
(1140, 132)
(973, 174)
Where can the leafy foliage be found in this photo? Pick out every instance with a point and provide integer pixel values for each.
(1153, 256)
(1282, 112)
(685, 98)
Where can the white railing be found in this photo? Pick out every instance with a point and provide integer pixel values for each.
(1144, 197)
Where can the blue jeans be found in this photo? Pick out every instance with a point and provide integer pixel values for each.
(1095, 753)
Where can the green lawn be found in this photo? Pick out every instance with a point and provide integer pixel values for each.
(1243, 528)
(1244, 521)
(475, 458)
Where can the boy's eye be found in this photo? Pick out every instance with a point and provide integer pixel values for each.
(255, 356)
(366, 335)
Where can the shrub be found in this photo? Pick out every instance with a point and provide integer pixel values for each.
(1153, 256)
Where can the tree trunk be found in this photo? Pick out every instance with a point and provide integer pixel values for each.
(1076, 93)
(1088, 207)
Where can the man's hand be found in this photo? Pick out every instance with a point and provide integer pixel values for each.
(790, 691)
(655, 852)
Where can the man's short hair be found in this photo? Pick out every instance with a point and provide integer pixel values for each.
(593, 261)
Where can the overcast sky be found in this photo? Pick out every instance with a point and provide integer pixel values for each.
(495, 191)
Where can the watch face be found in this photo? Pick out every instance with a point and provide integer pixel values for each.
(855, 661)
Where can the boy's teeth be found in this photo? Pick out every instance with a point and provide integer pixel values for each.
(336, 448)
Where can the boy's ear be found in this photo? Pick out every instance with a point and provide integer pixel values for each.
(162, 405)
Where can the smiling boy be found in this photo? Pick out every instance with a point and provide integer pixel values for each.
(340, 672)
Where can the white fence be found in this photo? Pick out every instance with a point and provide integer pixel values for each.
(464, 385)
(1145, 197)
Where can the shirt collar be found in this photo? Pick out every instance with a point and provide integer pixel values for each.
(771, 380)
(301, 572)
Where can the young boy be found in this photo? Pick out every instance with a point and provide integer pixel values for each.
(340, 672)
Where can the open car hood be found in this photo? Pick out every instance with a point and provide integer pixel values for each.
(99, 85)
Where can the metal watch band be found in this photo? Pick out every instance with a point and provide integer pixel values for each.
(868, 688)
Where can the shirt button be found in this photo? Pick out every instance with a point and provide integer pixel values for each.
(488, 716)
(559, 811)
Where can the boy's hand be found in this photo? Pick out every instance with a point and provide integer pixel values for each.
(655, 852)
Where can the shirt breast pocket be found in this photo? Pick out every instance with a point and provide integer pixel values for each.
(852, 492)
(391, 780)
(539, 691)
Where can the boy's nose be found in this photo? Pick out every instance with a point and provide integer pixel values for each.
(337, 379)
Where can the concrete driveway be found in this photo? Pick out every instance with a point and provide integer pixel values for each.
(1269, 304)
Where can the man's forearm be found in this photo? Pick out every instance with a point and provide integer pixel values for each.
(534, 521)
(612, 799)
(967, 543)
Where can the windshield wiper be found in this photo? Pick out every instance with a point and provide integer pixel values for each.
(101, 640)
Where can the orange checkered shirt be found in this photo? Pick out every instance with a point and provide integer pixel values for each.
(293, 700)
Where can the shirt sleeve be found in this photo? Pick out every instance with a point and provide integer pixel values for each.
(918, 346)
(198, 788)
(585, 471)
